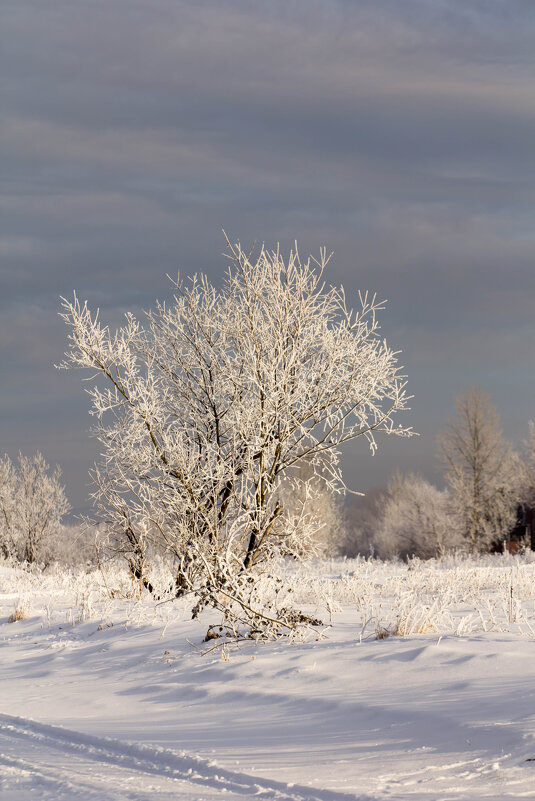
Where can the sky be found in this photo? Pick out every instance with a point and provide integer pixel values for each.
(398, 134)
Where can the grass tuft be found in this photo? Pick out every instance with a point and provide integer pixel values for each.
(21, 612)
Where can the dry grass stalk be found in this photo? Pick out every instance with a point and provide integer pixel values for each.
(21, 612)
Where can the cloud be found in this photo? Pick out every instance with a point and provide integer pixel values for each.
(400, 135)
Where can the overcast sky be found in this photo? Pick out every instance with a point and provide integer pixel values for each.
(399, 134)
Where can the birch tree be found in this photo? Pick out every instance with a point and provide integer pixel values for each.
(206, 407)
(482, 471)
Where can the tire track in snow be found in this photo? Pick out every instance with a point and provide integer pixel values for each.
(23, 778)
(158, 762)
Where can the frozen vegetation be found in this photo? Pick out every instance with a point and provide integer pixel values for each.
(419, 684)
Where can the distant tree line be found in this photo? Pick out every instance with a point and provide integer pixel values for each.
(486, 482)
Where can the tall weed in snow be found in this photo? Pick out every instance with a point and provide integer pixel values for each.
(455, 595)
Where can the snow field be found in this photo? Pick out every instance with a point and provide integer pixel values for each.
(112, 695)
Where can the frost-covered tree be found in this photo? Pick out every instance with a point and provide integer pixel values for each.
(7, 508)
(414, 520)
(482, 471)
(214, 401)
(32, 504)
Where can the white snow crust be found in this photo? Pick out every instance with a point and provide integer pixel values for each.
(116, 698)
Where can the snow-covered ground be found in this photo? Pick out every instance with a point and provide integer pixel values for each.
(116, 698)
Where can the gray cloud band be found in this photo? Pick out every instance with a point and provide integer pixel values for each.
(398, 134)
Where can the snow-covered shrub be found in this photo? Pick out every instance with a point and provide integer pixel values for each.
(214, 402)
